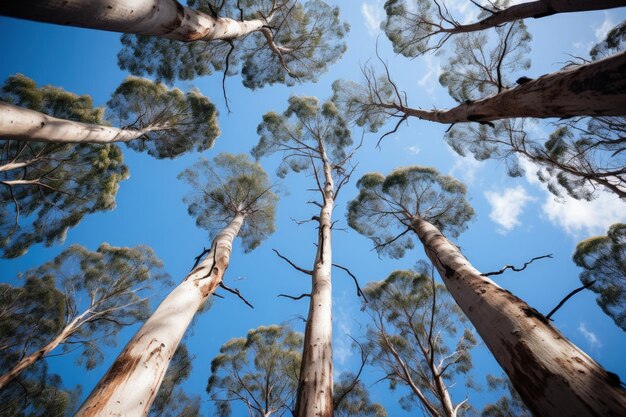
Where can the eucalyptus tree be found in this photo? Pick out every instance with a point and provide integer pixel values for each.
(267, 41)
(98, 294)
(603, 259)
(419, 338)
(553, 376)
(261, 371)
(416, 27)
(313, 137)
(171, 400)
(231, 197)
(58, 160)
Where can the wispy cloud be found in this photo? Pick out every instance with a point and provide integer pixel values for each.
(603, 29)
(590, 336)
(413, 149)
(430, 80)
(507, 206)
(373, 13)
(464, 168)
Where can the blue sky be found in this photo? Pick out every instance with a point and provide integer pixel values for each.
(516, 218)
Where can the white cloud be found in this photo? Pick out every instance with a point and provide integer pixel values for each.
(464, 168)
(413, 149)
(603, 29)
(430, 80)
(342, 344)
(506, 207)
(373, 14)
(591, 337)
(578, 218)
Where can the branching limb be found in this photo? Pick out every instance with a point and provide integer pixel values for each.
(488, 274)
(197, 258)
(301, 296)
(304, 271)
(236, 292)
(359, 293)
(567, 297)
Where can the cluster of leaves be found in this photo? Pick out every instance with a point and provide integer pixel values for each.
(53, 186)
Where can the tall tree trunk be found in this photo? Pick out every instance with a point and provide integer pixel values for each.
(594, 89)
(23, 124)
(28, 360)
(553, 376)
(131, 384)
(535, 9)
(165, 18)
(315, 388)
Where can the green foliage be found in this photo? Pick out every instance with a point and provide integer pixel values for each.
(386, 206)
(509, 404)
(307, 133)
(174, 122)
(308, 34)
(68, 181)
(171, 400)
(261, 370)
(603, 259)
(356, 399)
(227, 185)
(419, 320)
(613, 43)
(480, 67)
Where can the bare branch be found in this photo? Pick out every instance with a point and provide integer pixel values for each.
(488, 274)
(236, 292)
(359, 293)
(295, 298)
(567, 297)
(304, 271)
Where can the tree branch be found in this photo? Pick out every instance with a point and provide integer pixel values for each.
(488, 274)
(236, 292)
(359, 293)
(567, 297)
(304, 271)
(295, 298)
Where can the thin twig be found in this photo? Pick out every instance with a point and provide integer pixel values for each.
(359, 293)
(295, 298)
(236, 292)
(488, 274)
(305, 271)
(567, 297)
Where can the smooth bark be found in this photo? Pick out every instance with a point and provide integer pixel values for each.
(19, 123)
(553, 376)
(535, 9)
(164, 18)
(131, 384)
(315, 388)
(594, 89)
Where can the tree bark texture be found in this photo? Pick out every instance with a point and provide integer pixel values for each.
(315, 388)
(594, 89)
(553, 376)
(165, 18)
(535, 9)
(131, 384)
(19, 123)
(28, 360)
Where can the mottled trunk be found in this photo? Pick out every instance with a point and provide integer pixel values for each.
(38, 354)
(444, 395)
(535, 9)
(164, 18)
(315, 388)
(23, 124)
(553, 376)
(594, 89)
(131, 384)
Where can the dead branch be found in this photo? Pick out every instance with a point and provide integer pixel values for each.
(359, 293)
(236, 292)
(513, 268)
(304, 271)
(567, 297)
(197, 258)
(295, 298)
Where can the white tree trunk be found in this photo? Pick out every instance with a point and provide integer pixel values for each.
(165, 18)
(315, 388)
(553, 376)
(594, 89)
(131, 384)
(23, 124)
(536, 9)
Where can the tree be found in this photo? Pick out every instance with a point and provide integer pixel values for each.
(261, 371)
(171, 400)
(230, 192)
(603, 259)
(313, 137)
(416, 340)
(268, 41)
(101, 293)
(509, 404)
(553, 376)
(418, 27)
(52, 186)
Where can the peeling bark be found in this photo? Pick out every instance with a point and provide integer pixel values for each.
(553, 376)
(131, 384)
(23, 124)
(594, 89)
(164, 18)
(315, 388)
